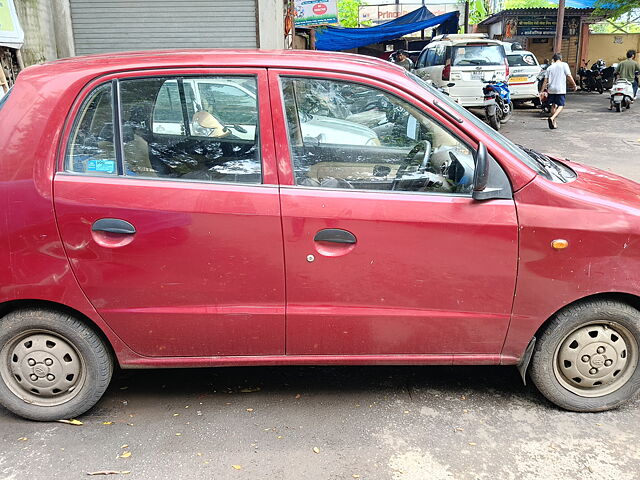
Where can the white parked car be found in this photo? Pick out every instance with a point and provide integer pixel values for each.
(461, 64)
(523, 75)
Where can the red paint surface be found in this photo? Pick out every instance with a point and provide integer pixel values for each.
(431, 279)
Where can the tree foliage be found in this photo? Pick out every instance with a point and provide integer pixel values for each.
(616, 8)
(513, 4)
(349, 14)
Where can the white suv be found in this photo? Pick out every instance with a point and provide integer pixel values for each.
(461, 64)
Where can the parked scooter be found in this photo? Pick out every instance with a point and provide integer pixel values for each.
(621, 95)
(498, 106)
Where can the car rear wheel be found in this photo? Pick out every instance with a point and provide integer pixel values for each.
(52, 366)
(587, 358)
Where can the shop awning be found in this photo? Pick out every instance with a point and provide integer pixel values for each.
(334, 38)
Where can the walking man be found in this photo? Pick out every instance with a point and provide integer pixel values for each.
(555, 81)
(627, 69)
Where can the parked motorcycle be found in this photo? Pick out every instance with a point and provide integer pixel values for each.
(591, 79)
(498, 106)
(621, 95)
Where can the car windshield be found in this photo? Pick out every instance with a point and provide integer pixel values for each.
(477, 54)
(515, 150)
(526, 60)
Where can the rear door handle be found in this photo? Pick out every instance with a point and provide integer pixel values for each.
(335, 235)
(113, 225)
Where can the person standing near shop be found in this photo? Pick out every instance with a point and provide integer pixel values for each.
(627, 69)
(402, 59)
(555, 81)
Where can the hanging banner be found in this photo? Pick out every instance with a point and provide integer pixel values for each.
(316, 12)
(11, 34)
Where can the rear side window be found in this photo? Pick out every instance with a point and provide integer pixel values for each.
(526, 60)
(90, 148)
(478, 54)
(188, 128)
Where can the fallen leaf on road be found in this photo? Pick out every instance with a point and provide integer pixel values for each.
(473, 444)
(249, 409)
(124, 446)
(107, 423)
(316, 450)
(22, 439)
(237, 467)
(123, 388)
(125, 455)
(355, 475)
(279, 436)
(72, 421)
(176, 414)
(298, 396)
(178, 434)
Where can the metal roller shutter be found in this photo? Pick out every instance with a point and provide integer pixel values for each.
(119, 25)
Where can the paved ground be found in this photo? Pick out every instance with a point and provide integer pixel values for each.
(398, 423)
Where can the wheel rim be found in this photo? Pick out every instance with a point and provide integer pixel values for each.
(596, 359)
(42, 368)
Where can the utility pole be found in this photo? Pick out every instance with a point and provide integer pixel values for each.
(557, 48)
(466, 16)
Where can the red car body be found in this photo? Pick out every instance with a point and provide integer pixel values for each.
(220, 274)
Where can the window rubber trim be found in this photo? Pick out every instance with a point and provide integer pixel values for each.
(118, 146)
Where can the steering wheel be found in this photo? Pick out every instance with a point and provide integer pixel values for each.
(410, 160)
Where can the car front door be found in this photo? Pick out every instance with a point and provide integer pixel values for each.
(171, 219)
(386, 251)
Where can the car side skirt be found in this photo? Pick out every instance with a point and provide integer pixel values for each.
(275, 360)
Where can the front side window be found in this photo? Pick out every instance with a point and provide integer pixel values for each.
(480, 54)
(347, 135)
(189, 128)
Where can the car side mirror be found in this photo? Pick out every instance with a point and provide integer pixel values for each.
(481, 173)
(489, 179)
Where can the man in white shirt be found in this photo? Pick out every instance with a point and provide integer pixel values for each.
(555, 81)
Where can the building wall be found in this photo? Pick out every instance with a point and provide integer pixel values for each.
(610, 47)
(36, 18)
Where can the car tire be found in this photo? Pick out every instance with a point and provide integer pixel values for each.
(587, 358)
(52, 366)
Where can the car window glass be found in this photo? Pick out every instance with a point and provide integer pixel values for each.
(90, 149)
(182, 128)
(431, 54)
(347, 135)
(439, 57)
(526, 60)
(473, 55)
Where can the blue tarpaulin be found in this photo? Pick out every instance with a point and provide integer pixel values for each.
(334, 38)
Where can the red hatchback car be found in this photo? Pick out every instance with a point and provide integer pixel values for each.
(211, 208)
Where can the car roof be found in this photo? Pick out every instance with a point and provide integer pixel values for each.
(118, 61)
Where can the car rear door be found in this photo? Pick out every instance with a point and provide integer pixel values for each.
(386, 252)
(171, 223)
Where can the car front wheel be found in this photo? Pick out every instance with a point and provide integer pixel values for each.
(52, 366)
(587, 358)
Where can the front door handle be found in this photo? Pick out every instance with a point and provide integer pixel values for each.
(335, 235)
(113, 225)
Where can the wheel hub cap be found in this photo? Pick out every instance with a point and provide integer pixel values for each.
(596, 360)
(41, 368)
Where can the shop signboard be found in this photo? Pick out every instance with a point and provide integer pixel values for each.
(316, 12)
(11, 34)
(539, 26)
